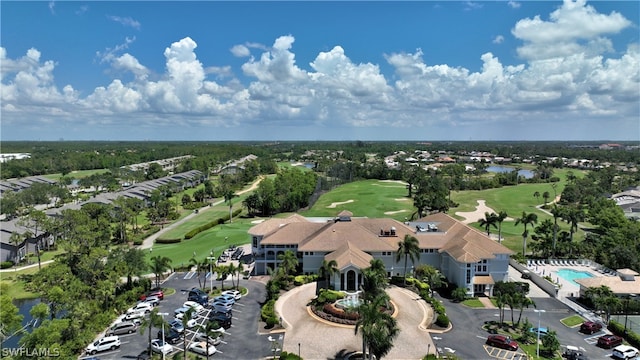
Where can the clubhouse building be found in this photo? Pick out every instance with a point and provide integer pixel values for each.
(464, 255)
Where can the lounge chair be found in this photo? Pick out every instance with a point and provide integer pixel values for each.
(554, 263)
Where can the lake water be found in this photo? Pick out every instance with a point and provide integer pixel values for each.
(527, 174)
(24, 306)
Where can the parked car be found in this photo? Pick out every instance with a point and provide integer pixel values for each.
(219, 307)
(543, 331)
(625, 352)
(141, 306)
(171, 336)
(177, 325)
(609, 341)
(503, 342)
(224, 300)
(526, 274)
(192, 304)
(124, 327)
(179, 312)
(103, 344)
(198, 296)
(204, 338)
(222, 319)
(153, 300)
(590, 327)
(574, 354)
(160, 346)
(235, 293)
(201, 348)
(135, 317)
(156, 292)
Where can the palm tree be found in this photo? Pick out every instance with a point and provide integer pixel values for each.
(228, 196)
(502, 215)
(195, 263)
(159, 264)
(374, 280)
(209, 330)
(522, 302)
(500, 303)
(152, 320)
(327, 270)
(546, 196)
(223, 272)
(489, 221)
(288, 262)
(536, 195)
(526, 220)
(188, 315)
(409, 247)
(556, 212)
(573, 215)
(378, 328)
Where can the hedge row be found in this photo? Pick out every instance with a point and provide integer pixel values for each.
(618, 329)
(6, 264)
(209, 225)
(168, 241)
(268, 313)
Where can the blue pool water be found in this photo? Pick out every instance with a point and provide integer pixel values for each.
(571, 275)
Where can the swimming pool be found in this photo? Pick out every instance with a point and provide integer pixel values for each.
(571, 275)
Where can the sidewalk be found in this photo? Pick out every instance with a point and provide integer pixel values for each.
(486, 302)
(25, 267)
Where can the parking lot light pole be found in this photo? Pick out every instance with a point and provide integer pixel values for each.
(538, 342)
(163, 340)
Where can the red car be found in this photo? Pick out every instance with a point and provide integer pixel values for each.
(609, 341)
(503, 342)
(153, 292)
(590, 327)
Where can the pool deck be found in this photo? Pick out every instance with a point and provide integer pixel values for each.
(567, 287)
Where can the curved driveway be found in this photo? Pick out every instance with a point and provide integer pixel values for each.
(322, 340)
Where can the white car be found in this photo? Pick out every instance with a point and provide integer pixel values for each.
(235, 293)
(204, 338)
(103, 344)
(141, 306)
(223, 308)
(153, 300)
(625, 352)
(159, 346)
(201, 348)
(135, 316)
(194, 305)
(224, 301)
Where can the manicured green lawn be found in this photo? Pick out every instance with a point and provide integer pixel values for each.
(205, 242)
(572, 321)
(473, 303)
(371, 198)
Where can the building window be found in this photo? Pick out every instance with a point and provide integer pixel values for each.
(255, 241)
(468, 276)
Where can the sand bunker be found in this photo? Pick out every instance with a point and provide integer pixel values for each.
(333, 205)
(402, 199)
(394, 212)
(257, 221)
(395, 181)
(475, 216)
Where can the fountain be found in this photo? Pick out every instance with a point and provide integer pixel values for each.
(351, 300)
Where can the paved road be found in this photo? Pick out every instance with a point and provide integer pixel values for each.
(320, 340)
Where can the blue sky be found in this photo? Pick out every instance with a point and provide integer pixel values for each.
(418, 70)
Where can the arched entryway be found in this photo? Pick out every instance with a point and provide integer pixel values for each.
(351, 280)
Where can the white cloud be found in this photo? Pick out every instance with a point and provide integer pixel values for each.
(573, 28)
(126, 21)
(52, 7)
(514, 4)
(498, 39)
(565, 78)
(471, 5)
(82, 9)
(240, 51)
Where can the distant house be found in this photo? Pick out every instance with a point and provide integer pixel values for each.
(464, 255)
(237, 165)
(629, 201)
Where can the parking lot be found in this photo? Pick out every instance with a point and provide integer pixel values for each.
(244, 329)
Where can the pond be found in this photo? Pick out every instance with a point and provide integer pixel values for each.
(527, 174)
(24, 306)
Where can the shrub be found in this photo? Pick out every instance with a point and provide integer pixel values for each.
(268, 312)
(339, 313)
(459, 294)
(442, 320)
(168, 241)
(6, 264)
(329, 296)
(618, 329)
